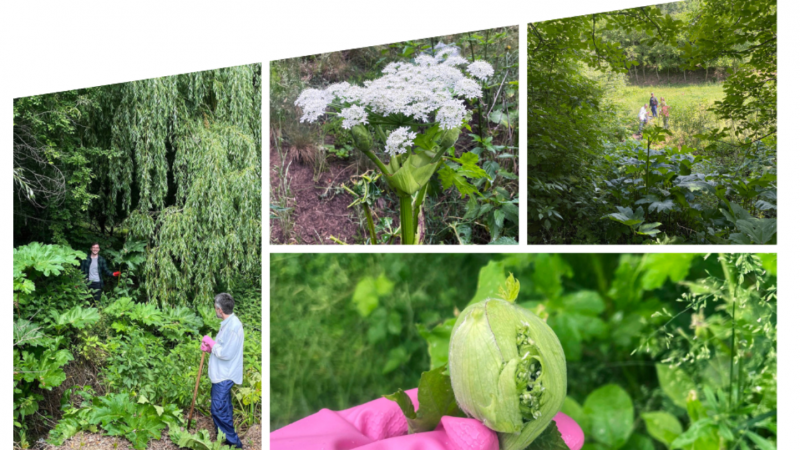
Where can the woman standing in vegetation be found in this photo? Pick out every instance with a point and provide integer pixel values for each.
(642, 118)
(665, 113)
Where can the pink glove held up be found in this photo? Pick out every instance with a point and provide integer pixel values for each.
(207, 344)
(380, 425)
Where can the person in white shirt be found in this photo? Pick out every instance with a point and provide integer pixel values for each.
(642, 118)
(225, 366)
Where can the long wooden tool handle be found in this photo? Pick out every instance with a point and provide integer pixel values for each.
(196, 385)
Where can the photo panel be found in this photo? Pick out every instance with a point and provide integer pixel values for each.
(137, 264)
(523, 351)
(654, 125)
(408, 143)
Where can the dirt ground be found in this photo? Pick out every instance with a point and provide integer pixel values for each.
(251, 439)
(320, 210)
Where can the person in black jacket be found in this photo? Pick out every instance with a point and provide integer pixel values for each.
(654, 104)
(93, 268)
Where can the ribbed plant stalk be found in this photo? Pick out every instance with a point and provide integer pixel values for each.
(407, 228)
(418, 205)
(370, 224)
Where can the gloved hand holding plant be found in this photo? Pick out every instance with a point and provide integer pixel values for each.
(414, 111)
(507, 382)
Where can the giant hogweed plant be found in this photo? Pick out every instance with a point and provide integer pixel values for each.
(667, 193)
(415, 112)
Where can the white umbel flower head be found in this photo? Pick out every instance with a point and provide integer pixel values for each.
(451, 114)
(433, 85)
(398, 140)
(314, 102)
(480, 70)
(353, 116)
(467, 88)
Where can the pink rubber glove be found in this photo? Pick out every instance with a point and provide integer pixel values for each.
(207, 344)
(380, 425)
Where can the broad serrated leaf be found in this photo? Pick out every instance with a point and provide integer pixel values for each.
(436, 399)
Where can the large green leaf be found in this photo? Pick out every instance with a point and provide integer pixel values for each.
(627, 216)
(675, 383)
(610, 412)
(639, 442)
(438, 341)
(662, 426)
(660, 266)
(573, 409)
(78, 317)
(436, 399)
(46, 259)
(368, 292)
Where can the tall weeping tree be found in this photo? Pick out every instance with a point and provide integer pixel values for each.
(180, 168)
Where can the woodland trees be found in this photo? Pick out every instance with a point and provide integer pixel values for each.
(173, 161)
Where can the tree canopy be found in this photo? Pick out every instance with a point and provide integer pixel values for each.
(172, 161)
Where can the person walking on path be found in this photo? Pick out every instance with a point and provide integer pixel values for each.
(642, 118)
(93, 268)
(225, 366)
(665, 113)
(654, 104)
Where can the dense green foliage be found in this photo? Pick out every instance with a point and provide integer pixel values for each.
(663, 350)
(165, 174)
(155, 161)
(585, 159)
(143, 357)
(483, 166)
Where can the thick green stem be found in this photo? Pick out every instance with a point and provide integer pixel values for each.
(370, 224)
(377, 162)
(420, 199)
(407, 220)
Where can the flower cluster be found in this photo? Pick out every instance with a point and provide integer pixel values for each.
(432, 85)
(398, 140)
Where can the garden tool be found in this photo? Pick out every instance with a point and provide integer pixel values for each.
(196, 385)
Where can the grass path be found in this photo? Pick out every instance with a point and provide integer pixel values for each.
(689, 108)
(680, 97)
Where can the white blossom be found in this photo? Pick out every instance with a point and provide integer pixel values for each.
(314, 102)
(467, 88)
(451, 114)
(432, 86)
(353, 116)
(398, 140)
(480, 70)
(455, 61)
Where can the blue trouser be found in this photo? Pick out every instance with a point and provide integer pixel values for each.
(222, 411)
(653, 109)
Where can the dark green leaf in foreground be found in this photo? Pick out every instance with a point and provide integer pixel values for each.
(435, 397)
(550, 439)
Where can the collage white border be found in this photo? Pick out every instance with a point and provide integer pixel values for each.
(50, 46)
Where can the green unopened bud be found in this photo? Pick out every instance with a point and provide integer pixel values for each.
(449, 138)
(508, 370)
(362, 138)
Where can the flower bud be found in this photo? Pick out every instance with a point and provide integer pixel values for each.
(362, 137)
(508, 370)
(449, 138)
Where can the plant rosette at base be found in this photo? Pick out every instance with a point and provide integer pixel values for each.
(508, 369)
(409, 97)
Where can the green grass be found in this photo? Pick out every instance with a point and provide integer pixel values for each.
(680, 97)
(690, 113)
